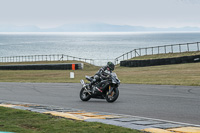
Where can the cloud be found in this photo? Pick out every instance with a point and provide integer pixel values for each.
(190, 1)
(46, 14)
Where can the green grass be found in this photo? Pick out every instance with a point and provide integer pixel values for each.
(178, 74)
(45, 75)
(20, 121)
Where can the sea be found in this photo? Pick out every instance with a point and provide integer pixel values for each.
(105, 46)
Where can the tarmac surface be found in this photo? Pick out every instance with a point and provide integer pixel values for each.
(163, 102)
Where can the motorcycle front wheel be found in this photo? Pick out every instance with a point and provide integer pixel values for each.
(84, 95)
(114, 95)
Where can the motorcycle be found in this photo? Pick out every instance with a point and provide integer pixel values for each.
(110, 91)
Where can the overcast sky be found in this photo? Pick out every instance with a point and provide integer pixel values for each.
(52, 13)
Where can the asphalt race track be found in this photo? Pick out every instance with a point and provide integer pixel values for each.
(167, 102)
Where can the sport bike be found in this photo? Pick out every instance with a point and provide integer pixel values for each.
(110, 91)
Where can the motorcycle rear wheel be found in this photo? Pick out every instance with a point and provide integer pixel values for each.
(84, 95)
(114, 95)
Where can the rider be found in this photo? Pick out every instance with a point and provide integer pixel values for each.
(102, 74)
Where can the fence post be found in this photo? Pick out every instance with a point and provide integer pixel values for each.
(146, 51)
(165, 49)
(188, 47)
(158, 49)
(180, 48)
(198, 46)
(152, 50)
(135, 52)
(172, 48)
(116, 61)
(131, 54)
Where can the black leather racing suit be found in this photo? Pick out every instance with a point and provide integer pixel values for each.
(102, 75)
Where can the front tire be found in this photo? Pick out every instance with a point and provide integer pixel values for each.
(84, 95)
(114, 95)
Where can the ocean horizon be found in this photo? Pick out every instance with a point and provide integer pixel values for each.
(90, 45)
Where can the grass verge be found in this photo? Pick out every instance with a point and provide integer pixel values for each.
(178, 74)
(20, 121)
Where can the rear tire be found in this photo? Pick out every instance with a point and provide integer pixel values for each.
(113, 97)
(84, 95)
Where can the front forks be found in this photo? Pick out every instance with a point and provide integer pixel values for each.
(85, 86)
(110, 90)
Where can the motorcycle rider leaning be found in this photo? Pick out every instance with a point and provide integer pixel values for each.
(101, 76)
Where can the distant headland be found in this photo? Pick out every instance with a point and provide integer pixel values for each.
(94, 27)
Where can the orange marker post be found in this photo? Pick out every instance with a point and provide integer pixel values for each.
(73, 66)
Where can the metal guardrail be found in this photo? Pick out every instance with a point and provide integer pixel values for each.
(34, 58)
(174, 48)
(54, 57)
